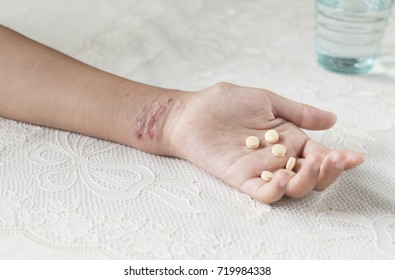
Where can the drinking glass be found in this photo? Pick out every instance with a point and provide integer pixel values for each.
(349, 33)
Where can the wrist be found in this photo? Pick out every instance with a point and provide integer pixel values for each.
(149, 118)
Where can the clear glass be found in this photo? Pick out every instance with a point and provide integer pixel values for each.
(349, 33)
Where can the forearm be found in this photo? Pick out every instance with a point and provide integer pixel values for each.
(42, 86)
(209, 128)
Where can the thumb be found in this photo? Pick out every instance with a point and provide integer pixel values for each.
(302, 115)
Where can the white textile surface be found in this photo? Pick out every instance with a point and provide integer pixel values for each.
(65, 195)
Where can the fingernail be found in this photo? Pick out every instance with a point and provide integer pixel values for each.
(351, 155)
(363, 156)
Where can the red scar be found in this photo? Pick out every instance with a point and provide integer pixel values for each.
(149, 120)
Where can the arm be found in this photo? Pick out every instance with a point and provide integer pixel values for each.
(208, 128)
(42, 86)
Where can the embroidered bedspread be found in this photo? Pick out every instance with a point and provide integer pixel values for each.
(65, 195)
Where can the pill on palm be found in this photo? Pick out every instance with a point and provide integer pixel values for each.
(267, 176)
(271, 136)
(290, 163)
(279, 150)
(252, 142)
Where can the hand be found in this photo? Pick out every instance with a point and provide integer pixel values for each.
(211, 129)
(208, 128)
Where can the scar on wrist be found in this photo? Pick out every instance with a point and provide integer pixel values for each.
(149, 121)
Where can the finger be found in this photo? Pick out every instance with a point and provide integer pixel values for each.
(353, 159)
(331, 168)
(253, 162)
(302, 115)
(312, 146)
(306, 178)
(249, 167)
(267, 192)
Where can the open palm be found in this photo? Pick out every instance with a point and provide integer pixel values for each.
(215, 123)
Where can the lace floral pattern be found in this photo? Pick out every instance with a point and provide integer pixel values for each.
(73, 161)
(74, 193)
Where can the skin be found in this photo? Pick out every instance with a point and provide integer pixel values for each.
(42, 86)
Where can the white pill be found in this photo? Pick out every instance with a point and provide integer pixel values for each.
(279, 150)
(267, 176)
(252, 142)
(271, 136)
(290, 163)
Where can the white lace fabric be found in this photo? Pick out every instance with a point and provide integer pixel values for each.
(89, 198)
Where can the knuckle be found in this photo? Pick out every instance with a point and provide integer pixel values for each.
(222, 87)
